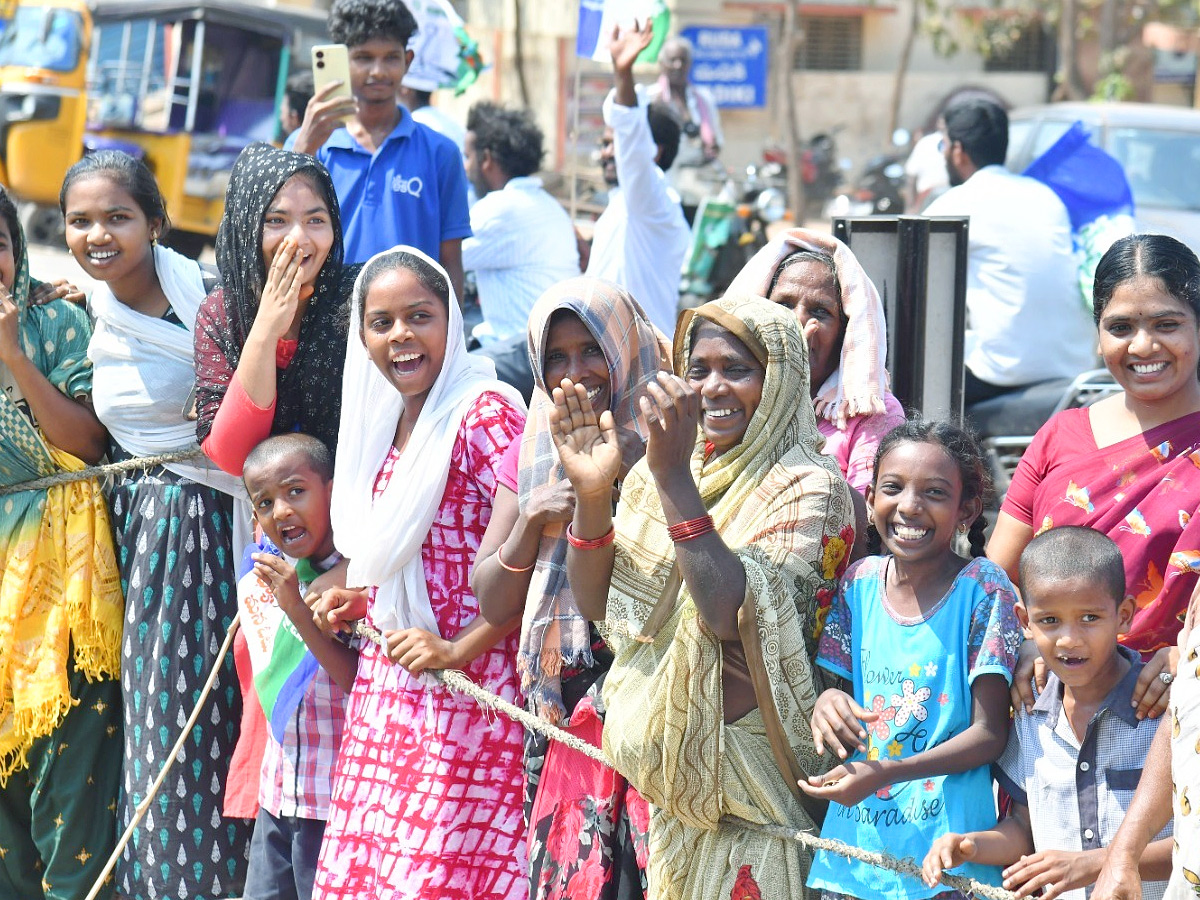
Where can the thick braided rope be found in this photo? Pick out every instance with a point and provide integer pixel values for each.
(117, 468)
(459, 682)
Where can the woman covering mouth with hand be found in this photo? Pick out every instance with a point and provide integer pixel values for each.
(270, 340)
(706, 584)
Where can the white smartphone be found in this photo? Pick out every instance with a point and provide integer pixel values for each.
(331, 62)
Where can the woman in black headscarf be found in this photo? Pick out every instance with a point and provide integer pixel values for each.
(270, 342)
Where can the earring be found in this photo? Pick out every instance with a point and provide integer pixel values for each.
(963, 528)
(154, 237)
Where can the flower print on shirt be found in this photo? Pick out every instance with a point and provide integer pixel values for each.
(880, 727)
(910, 704)
(1079, 496)
(1186, 560)
(1135, 523)
(744, 886)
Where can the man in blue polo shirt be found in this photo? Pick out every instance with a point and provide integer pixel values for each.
(397, 182)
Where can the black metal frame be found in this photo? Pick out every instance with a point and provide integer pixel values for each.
(908, 311)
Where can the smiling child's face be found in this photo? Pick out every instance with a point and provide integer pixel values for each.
(1075, 622)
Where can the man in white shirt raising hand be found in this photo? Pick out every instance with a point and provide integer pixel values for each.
(642, 237)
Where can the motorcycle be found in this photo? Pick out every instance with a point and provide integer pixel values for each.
(1006, 424)
(728, 230)
(821, 171)
(879, 188)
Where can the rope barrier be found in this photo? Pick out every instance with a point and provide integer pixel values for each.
(117, 468)
(459, 682)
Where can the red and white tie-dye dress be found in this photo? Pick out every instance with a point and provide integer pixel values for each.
(428, 788)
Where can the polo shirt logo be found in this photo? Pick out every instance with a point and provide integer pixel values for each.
(413, 186)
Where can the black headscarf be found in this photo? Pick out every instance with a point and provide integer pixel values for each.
(309, 390)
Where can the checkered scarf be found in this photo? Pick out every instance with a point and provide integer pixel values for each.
(553, 631)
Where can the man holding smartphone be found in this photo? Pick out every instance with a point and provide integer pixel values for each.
(397, 181)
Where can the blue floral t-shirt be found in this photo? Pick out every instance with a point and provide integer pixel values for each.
(917, 674)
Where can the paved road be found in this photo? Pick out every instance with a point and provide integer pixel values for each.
(47, 263)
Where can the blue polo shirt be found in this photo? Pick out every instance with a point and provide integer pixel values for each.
(413, 190)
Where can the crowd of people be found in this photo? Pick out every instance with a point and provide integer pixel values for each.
(713, 545)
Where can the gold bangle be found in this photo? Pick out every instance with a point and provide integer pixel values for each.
(507, 568)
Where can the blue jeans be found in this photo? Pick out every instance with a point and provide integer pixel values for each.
(283, 857)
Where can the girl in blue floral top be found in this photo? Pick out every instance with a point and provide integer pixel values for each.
(925, 643)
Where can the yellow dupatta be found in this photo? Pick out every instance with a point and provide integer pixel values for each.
(59, 584)
(783, 509)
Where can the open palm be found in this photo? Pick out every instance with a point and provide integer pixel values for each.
(626, 44)
(588, 447)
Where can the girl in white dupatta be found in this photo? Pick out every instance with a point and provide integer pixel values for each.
(174, 528)
(427, 790)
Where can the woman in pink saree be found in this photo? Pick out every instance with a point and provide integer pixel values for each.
(1128, 466)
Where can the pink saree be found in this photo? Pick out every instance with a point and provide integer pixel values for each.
(1142, 492)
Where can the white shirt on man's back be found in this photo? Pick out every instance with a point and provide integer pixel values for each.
(1026, 319)
(641, 238)
(522, 242)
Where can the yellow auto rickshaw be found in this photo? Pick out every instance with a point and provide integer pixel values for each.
(184, 84)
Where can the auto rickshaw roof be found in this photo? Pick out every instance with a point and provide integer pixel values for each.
(251, 16)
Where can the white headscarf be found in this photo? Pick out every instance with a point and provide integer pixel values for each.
(382, 537)
(144, 371)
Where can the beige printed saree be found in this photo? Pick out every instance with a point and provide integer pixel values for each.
(786, 513)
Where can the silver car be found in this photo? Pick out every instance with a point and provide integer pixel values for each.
(1159, 146)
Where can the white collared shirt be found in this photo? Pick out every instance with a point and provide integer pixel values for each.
(1026, 318)
(641, 239)
(522, 243)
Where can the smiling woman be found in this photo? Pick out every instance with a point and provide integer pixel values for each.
(427, 791)
(173, 523)
(729, 535)
(60, 598)
(1127, 466)
(594, 333)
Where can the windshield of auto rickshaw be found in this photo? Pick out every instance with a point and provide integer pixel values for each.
(42, 37)
(142, 73)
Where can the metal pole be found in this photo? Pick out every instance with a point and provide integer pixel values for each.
(197, 76)
(575, 140)
(123, 65)
(147, 61)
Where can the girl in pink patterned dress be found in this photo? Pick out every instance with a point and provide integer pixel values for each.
(428, 788)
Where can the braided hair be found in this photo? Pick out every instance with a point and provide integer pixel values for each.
(963, 447)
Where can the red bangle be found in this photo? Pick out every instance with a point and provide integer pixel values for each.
(507, 568)
(595, 543)
(690, 529)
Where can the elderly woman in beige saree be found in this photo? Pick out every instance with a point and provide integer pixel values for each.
(729, 536)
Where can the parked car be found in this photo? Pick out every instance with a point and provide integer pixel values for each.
(1159, 146)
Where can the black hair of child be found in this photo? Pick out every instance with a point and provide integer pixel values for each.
(963, 447)
(277, 446)
(1073, 551)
